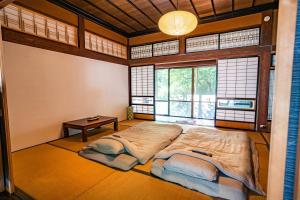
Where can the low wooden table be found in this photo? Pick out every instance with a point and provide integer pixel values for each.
(84, 125)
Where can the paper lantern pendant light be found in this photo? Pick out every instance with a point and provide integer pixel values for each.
(177, 23)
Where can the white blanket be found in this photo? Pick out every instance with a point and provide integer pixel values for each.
(233, 153)
(144, 140)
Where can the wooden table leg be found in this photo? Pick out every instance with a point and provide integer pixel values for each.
(66, 131)
(116, 128)
(84, 135)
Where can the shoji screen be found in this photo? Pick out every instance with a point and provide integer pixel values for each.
(236, 92)
(142, 91)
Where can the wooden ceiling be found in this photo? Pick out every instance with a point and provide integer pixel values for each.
(138, 17)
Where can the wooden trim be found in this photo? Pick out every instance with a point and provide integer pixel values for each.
(263, 90)
(30, 40)
(4, 3)
(200, 56)
(49, 10)
(186, 64)
(281, 104)
(81, 32)
(144, 116)
(235, 125)
(6, 141)
(266, 28)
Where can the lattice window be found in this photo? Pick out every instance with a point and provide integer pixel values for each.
(142, 89)
(24, 20)
(241, 38)
(144, 51)
(102, 45)
(202, 43)
(166, 48)
(237, 78)
(235, 115)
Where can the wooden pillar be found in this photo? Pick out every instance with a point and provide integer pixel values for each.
(81, 29)
(181, 45)
(264, 70)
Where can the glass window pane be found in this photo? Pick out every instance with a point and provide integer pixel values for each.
(142, 100)
(204, 110)
(181, 84)
(161, 108)
(205, 84)
(271, 93)
(241, 104)
(161, 84)
(180, 109)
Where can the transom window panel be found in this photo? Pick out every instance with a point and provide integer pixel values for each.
(27, 21)
(142, 81)
(166, 48)
(144, 51)
(235, 115)
(237, 78)
(241, 38)
(143, 109)
(202, 43)
(102, 45)
(36, 24)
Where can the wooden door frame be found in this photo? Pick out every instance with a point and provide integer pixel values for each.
(281, 105)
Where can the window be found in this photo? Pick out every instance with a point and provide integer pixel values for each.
(142, 89)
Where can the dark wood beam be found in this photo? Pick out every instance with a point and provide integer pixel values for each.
(107, 13)
(81, 32)
(201, 56)
(266, 28)
(253, 3)
(150, 1)
(174, 6)
(88, 16)
(4, 3)
(43, 43)
(238, 13)
(232, 5)
(117, 7)
(213, 7)
(141, 11)
(195, 10)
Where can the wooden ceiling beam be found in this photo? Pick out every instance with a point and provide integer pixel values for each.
(213, 7)
(141, 11)
(150, 1)
(174, 6)
(107, 13)
(195, 10)
(117, 7)
(80, 11)
(4, 3)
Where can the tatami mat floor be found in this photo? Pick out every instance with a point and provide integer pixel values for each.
(55, 171)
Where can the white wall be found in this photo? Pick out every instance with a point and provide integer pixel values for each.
(46, 88)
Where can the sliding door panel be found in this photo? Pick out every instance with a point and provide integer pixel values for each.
(181, 92)
(204, 92)
(162, 92)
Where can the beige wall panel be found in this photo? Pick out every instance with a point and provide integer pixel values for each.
(46, 88)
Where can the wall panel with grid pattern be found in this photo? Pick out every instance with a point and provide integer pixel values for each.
(202, 43)
(144, 51)
(102, 45)
(142, 89)
(27, 21)
(237, 85)
(241, 38)
(166, 48)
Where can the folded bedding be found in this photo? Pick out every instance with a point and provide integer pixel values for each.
(210, 155)
(140, 142)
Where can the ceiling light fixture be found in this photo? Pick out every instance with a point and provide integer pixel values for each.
(177, 22)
